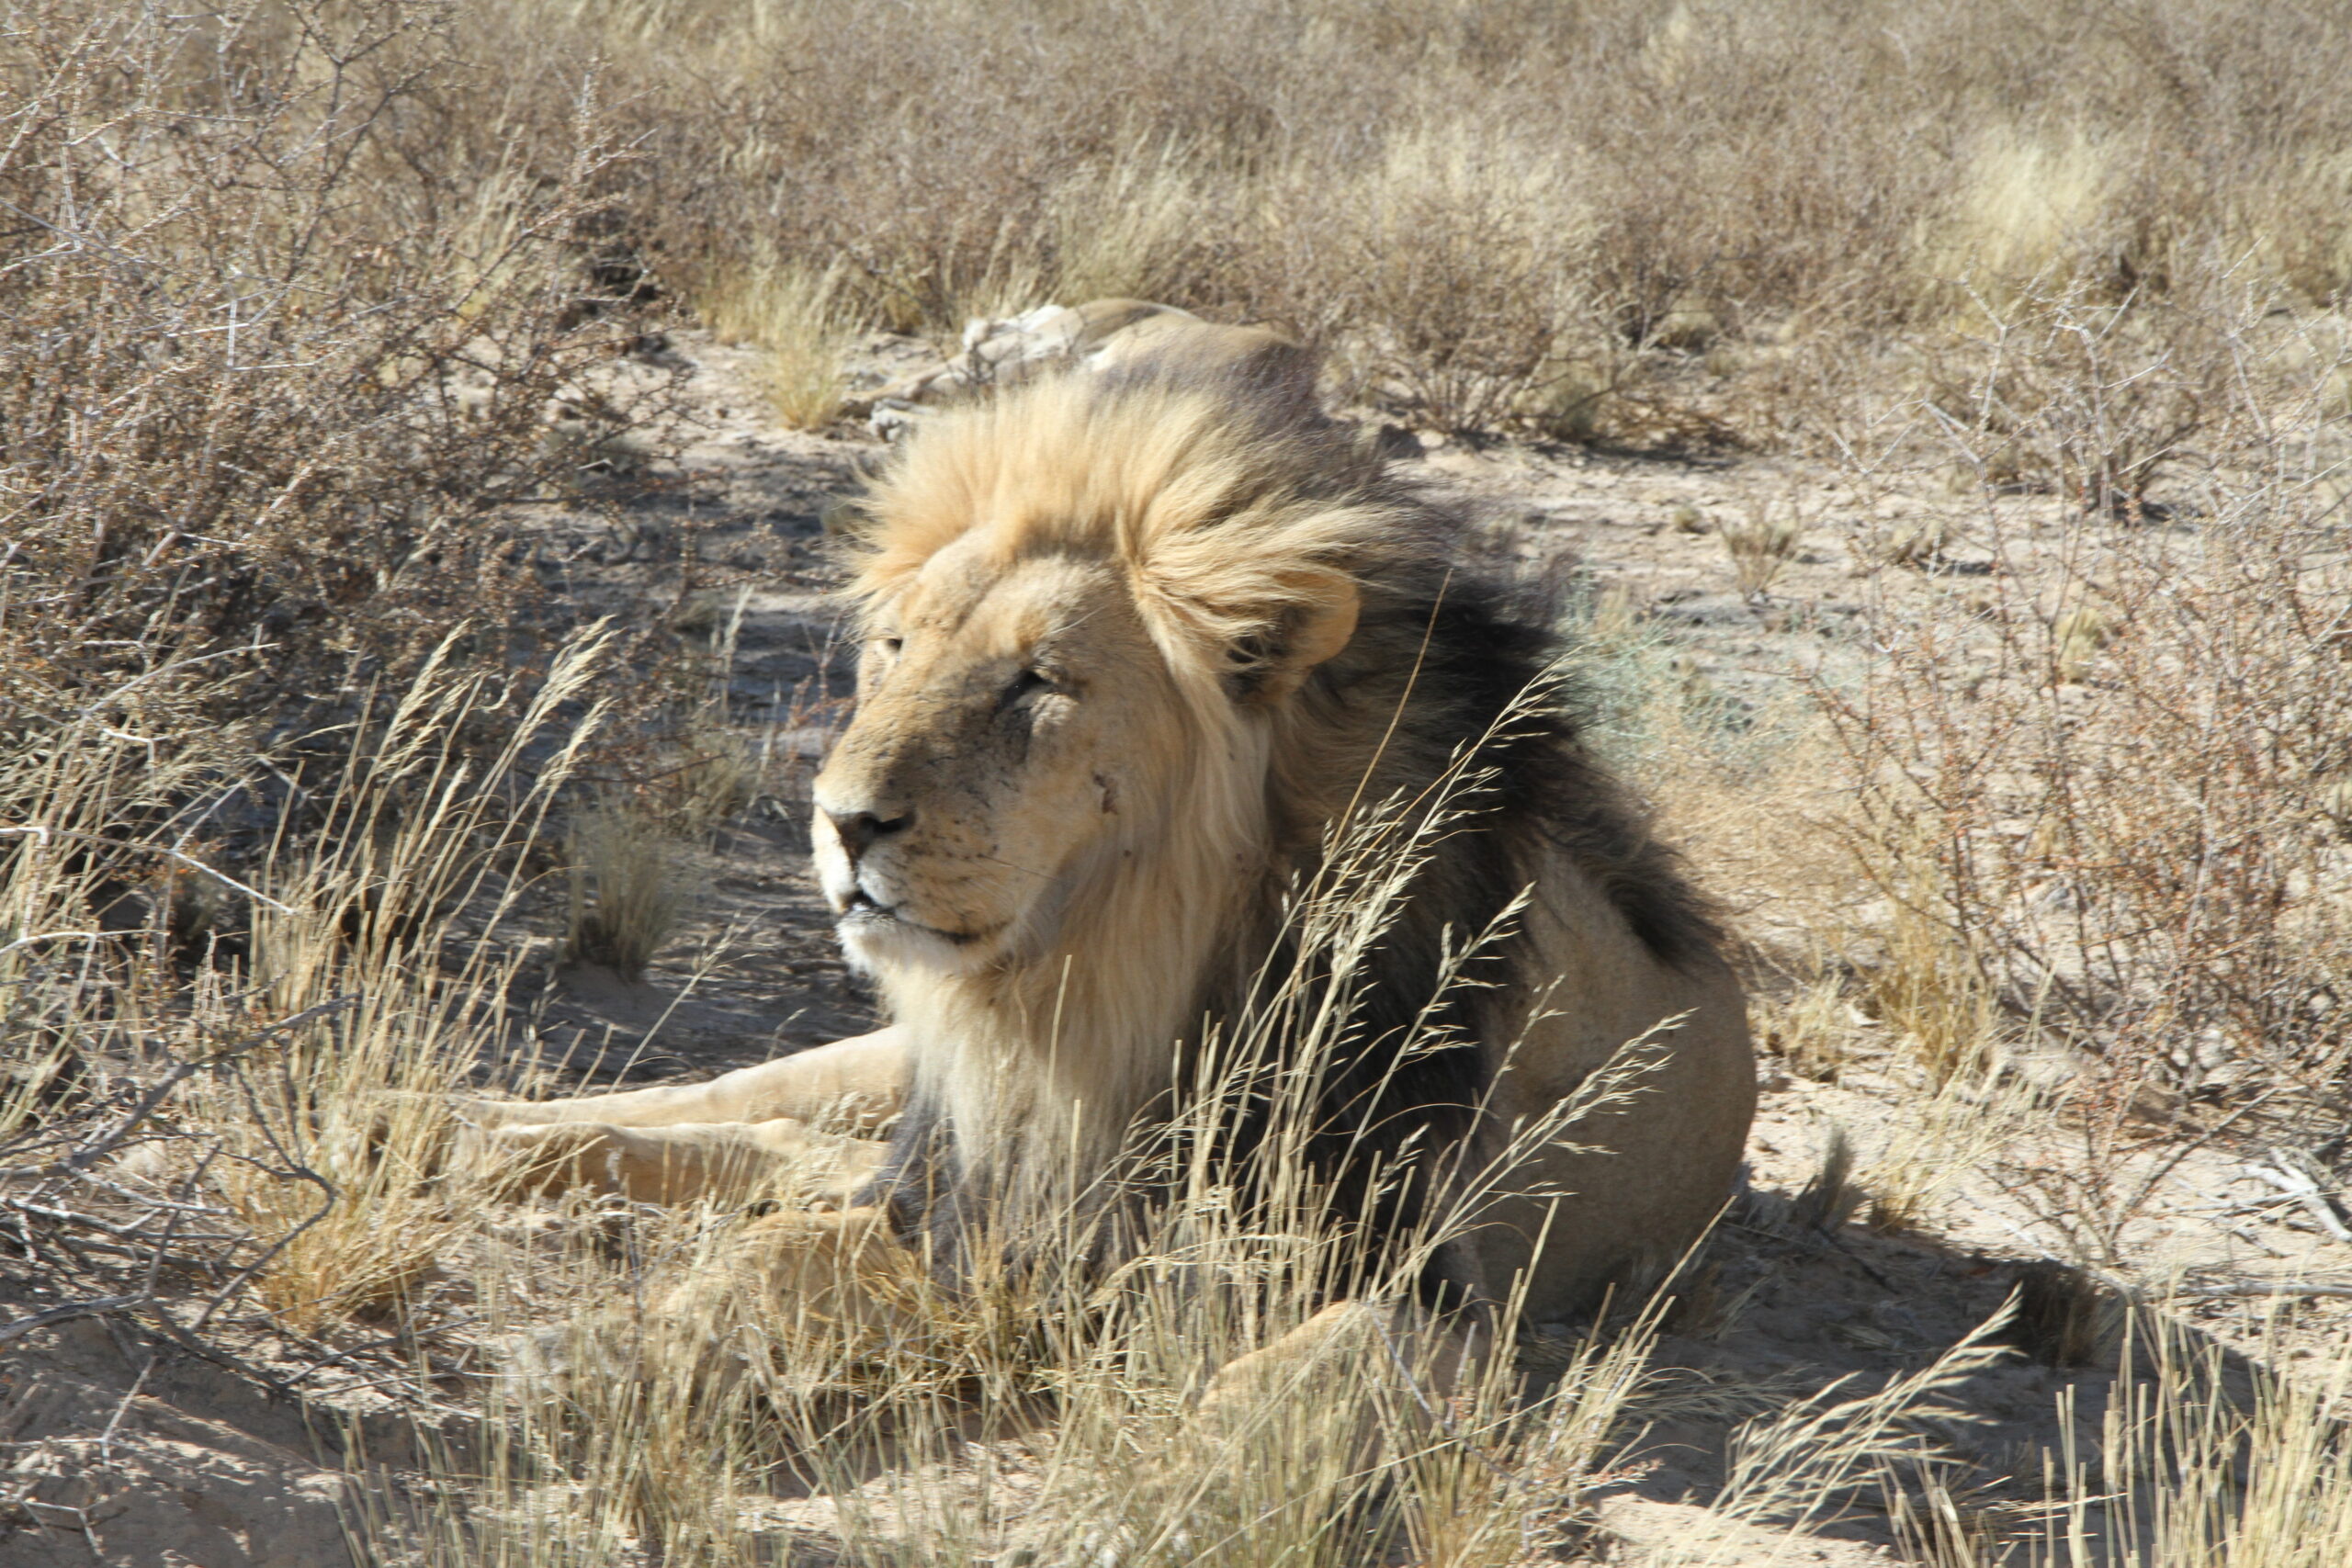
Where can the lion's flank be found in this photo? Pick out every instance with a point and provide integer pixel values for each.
(1334, 651)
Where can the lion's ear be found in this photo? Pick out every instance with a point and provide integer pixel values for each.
(1314, 627)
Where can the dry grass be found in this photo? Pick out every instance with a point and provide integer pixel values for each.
(1745, 187)
(316, 1042)
(627, 891)
(1930, 986)
(1965, 1123)
(299, 300)
(1812, 1030)
(793, 313)
(2190, 1469)
(1759, 546)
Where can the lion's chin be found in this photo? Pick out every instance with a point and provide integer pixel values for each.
(875, 941)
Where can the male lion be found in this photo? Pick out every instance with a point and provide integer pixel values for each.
(1136, 641)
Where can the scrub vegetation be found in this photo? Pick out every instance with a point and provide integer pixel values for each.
(2006, 349)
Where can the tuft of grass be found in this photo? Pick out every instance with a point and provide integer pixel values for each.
(626, 891)
(797, 317)
(2065, 1314)
(1759, 546)
(1954, 1135)
(1931, 988)
(1914, 542)
(1811, 1030)
(1575, 402)
(2029, 204)
(1128, 230)
(1830, 1194)
(2075, 640)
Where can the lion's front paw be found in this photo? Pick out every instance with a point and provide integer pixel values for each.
(550, 1158)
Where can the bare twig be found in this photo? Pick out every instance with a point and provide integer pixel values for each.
(67, 1313)
(2289, 1176)
(107, 1142)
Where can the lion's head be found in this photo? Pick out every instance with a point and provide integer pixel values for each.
(1068, 663)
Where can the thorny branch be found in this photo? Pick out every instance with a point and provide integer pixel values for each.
(80, 1163)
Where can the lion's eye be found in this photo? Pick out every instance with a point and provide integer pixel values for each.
(889, 645)
(1027, 683)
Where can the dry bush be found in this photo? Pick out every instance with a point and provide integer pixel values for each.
(2145, 864)
(2094, 794)
(2097, 399)
(1747, 187)
(278, 349)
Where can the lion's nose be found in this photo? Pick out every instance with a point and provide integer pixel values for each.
(860, 829)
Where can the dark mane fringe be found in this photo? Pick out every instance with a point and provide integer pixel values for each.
(1477, 636)
(1447, 651)
(1489, 640)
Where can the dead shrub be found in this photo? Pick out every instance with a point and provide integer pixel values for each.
(2095, 400)
(2145, 864)
(277, 359)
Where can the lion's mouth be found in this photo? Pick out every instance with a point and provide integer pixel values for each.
(865, 913)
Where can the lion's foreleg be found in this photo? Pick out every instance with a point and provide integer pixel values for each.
(732, 1162)
(851, 1085)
